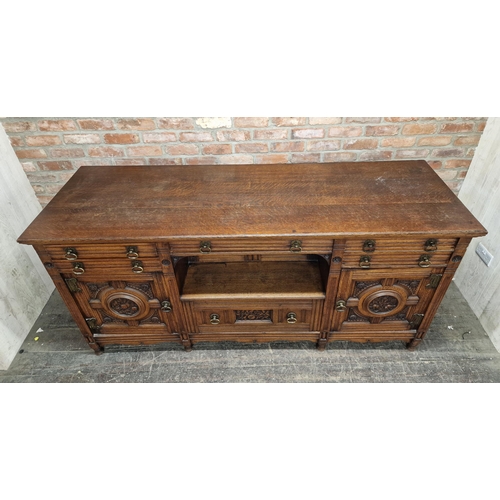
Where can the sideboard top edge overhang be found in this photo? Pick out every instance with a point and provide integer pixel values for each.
(161, 203)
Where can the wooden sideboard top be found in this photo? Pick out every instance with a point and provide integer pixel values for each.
(155, 203)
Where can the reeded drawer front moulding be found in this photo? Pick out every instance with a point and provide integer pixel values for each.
(253, 253)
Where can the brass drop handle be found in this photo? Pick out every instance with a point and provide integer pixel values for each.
(132, 252)
(291, 317)
(71, 254)
(364, 262)
(369, 246)
(431, 245)
(205, 247)
(296, 246)
(137, 267)
(214, 319)
(78, 268)
(424, 261)
(340, 306)
(166, 306)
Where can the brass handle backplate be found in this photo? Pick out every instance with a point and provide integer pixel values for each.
(214, 319)
(137, 267)
(92, 324)
(296, 246)
(78, 268)
(166, 306)
(364, 262)
(71, 254)
(132, 252)
(424, 261)
(431, 245)
(73, 285)
(340, 306)
(205, 247)
(369, 246)
(291, 317)
(415, 321)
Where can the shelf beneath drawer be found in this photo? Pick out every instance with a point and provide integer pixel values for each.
(254, 279)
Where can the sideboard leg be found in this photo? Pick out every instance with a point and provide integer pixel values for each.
(321, 344)
(98, 350)
(187, 345)
(413, 344)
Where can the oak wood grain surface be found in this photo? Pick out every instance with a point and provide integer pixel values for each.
(159, 203)
(253, 280)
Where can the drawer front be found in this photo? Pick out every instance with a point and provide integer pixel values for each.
(252, 246)
(422, 245)
(254, 316)
(109, 267)
(379, 260)
(104, 251)
(377, 254)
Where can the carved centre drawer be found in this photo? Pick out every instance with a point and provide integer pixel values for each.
(237, 316)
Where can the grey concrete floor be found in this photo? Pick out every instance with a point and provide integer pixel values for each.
(456, 349)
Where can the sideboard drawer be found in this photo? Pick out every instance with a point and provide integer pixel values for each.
(381, 253)
(399, 259)
(223, 316)
(252, 246)
(109, 267)
(423, 245)
(123, 251)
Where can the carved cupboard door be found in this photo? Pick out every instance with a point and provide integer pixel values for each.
(383, 301)
(125, 306)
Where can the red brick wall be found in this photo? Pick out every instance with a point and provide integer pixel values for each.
(51, 149)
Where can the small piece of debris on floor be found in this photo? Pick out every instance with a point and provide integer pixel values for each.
(450, 327)
(39, 330)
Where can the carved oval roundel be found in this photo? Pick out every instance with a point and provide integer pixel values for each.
(379, 301)
(125, 303)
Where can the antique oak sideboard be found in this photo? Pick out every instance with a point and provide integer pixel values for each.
(253, 253)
